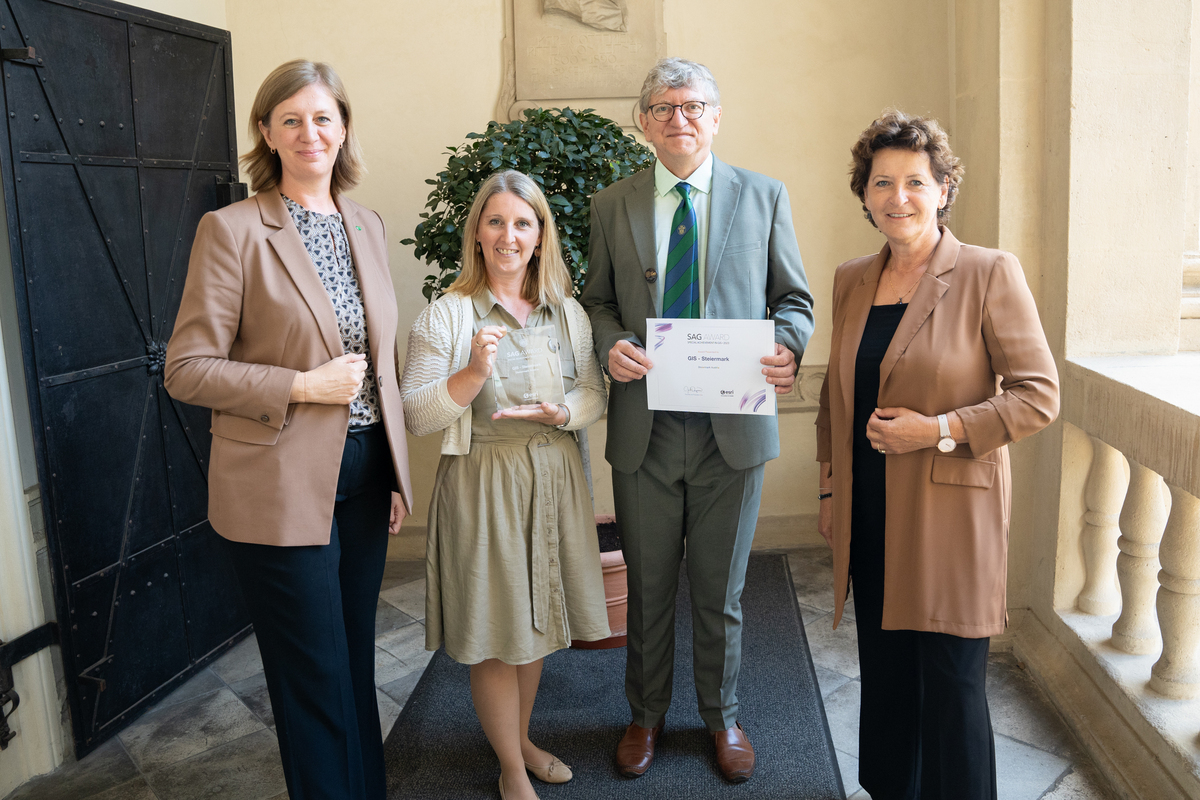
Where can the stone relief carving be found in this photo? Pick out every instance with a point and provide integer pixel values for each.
(579, 53)
(604, 15)
(806, 394)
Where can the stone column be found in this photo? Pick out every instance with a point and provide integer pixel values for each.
(1142, 519)
(1105, 490)
(1177, 671)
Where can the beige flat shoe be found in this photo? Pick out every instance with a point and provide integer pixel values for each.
(554, 772)
(501, 787)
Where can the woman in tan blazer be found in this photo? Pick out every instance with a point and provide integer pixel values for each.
(287, 331)
(938, 361)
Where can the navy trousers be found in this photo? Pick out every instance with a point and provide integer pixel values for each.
(313, 610)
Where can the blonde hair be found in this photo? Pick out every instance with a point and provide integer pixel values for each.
(261, 164)
(547, 279)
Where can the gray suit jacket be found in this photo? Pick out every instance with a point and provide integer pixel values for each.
(753, 272)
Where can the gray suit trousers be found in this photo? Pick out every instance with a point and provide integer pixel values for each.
(685, 496)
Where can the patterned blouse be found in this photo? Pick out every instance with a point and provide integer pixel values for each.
(325, 240)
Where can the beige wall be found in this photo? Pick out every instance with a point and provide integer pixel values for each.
(975, 133)
(1000, 74)
(1056, 448)
(1128, 153)
(420, 76)
(798, 80)
(1068, 115)
(206, 12)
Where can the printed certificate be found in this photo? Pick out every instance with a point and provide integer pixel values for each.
(710, 365)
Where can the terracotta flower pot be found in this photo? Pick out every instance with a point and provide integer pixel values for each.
(616, 598)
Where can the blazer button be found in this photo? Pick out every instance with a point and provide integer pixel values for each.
(265, 418)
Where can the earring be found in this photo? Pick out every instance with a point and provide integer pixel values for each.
(272, 151)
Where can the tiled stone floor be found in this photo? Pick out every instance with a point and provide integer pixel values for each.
(215, 735)
(1037, 757)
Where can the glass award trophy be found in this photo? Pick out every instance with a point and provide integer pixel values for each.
(527, 369)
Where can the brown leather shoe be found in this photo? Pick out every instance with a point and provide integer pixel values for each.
(635, 753)
(735, 756)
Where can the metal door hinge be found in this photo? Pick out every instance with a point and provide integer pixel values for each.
(230, 191)
(14, 652)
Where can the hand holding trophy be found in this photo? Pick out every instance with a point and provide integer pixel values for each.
(484, 347)
(527, 376)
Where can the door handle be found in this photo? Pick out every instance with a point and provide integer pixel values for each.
(11, 653)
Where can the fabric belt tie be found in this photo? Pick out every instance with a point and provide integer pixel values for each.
(545, 518)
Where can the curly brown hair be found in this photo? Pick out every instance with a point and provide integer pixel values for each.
(898, 131)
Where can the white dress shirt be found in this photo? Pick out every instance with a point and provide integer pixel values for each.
(666, 201)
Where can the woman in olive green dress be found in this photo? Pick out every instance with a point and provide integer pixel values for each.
(512, 560)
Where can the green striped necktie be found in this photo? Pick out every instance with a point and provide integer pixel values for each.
(681, 293)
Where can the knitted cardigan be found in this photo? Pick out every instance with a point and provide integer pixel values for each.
(435, 347)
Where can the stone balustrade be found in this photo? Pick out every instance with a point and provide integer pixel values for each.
(1143, 516)
(1177, 672)
(1105, 489)
(1123, 650)
(1141, 546)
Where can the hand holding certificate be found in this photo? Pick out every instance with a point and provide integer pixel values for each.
(710, 365)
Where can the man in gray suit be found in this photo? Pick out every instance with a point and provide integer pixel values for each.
(693, 238)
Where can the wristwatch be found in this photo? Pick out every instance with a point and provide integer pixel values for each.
(946, 443)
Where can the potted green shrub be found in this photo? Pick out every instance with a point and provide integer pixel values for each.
(571, 154)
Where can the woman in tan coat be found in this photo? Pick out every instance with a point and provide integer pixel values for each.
(938, 361)
(287, 331)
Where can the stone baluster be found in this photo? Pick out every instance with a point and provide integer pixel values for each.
(1105, 490)
(1142, 519)
(1177, 671)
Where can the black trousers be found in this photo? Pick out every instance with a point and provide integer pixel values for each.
(924, 728)
(313, 610)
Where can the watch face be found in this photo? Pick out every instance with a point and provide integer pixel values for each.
(947, 444)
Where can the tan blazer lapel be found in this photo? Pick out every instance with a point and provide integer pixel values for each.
(639, 206)
(929, 292)
(291, 251)
(858, 306)
(373, 279)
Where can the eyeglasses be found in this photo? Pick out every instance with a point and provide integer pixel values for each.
(692, 109)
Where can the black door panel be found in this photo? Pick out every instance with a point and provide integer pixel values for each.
(116, 135)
